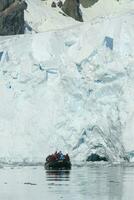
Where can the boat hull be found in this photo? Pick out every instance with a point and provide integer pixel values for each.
(59, 164)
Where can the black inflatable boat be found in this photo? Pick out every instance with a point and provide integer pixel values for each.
(58, 161)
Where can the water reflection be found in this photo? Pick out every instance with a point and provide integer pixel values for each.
(81, 183)
(87, 183)
(115, 182)
(57, 175)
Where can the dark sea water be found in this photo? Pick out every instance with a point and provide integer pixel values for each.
(81, 183)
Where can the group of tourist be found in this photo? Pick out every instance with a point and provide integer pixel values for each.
(57, 156)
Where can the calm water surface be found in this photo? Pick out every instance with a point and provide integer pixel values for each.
(81, 183)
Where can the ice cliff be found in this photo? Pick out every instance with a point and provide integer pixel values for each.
(70, 89)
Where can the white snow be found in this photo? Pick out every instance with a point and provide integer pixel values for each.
(64, 89)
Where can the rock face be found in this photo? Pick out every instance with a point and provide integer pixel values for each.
(88, 3)
(72, 9)
(4, 4)
(12, 17)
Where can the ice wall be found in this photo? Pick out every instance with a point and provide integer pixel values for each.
(68, 90)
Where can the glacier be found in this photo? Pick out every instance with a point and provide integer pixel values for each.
(66, 89)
